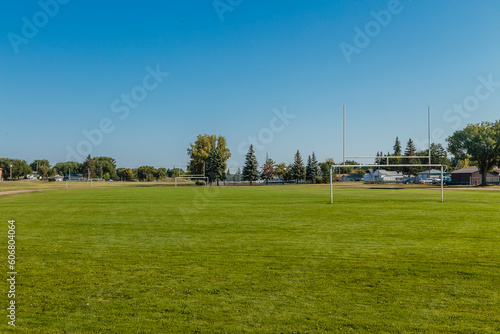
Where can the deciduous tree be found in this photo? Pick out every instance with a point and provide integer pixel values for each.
(268, 170)
(146, 173)
(200, 151)
(479, 142)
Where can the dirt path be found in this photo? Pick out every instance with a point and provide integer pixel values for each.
(12, 192)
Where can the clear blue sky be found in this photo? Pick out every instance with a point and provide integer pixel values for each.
(226, 76)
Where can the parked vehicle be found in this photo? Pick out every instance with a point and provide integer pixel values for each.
(411, 179)
(446, 180)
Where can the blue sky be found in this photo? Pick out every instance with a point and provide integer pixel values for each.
(232, 67)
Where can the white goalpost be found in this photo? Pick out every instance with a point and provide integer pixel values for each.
(201, 177)
(429, 164)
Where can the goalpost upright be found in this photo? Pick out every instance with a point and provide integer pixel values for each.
(429, 163)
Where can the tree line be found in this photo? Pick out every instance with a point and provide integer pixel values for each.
(93, 168)
(475, 145)
(439, 156)
(209, 154)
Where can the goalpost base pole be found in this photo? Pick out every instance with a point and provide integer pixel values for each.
(331, 186)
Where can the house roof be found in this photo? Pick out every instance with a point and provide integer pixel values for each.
(468, 170)
(388, 172)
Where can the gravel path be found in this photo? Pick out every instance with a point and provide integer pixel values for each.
(12, 192)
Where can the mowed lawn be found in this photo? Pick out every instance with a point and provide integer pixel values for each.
(275, 259)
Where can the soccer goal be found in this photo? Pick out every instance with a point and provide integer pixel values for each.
(191, 177)
(387, 164)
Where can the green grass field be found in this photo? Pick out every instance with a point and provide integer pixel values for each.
(275, 259)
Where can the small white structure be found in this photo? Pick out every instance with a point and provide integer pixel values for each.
(59, 178)
(381, 175)
(33, 176)
(431, 175)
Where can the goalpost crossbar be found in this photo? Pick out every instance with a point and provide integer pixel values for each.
(429, 163)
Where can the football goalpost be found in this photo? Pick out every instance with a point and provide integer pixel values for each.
(429, 164)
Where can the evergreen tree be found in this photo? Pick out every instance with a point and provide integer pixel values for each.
(397, 147)
(251, 168)
(237, 176)
(382, 160)
(312, 169)
(410, 151)
(397, 152)
(315, 168)
(438, 154)
(309, 169)
(298, 169)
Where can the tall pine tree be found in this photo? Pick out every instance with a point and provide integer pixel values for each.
(397, 147)
(298, 169)
(312, 169)
(410, 151)
(237, 176)
(251, 168)
(397, 152)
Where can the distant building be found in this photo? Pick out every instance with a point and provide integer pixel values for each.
(471, 176)
(382, 175)
(431, 174)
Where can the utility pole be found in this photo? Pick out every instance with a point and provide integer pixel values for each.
(11, 172)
